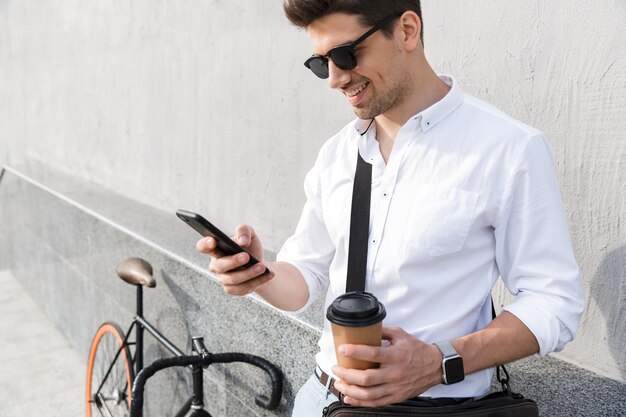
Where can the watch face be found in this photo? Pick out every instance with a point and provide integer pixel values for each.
(454, 370)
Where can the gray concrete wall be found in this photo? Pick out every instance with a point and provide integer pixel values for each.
(206, 105)
(197, 104)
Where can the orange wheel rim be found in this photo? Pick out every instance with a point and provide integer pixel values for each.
(104, 329)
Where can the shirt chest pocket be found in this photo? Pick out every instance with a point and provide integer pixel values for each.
(439, 219)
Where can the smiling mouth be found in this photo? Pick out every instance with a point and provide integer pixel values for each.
(353, 92)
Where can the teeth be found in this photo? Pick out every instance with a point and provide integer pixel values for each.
(356, 91)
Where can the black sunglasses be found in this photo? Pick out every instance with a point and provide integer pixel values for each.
(343, 55)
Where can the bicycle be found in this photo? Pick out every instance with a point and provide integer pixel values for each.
(112, 367)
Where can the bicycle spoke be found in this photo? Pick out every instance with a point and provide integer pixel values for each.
(110, 374)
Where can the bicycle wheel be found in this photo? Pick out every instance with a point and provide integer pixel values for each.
(109, 373)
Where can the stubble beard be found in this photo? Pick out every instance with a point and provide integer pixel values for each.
(387, 100)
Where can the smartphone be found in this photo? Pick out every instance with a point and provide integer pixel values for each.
(225, 244)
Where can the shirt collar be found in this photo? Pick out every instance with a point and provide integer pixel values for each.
(432, 115)
(444, 107)
(363, 125)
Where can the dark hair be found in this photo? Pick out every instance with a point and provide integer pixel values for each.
(302, 13)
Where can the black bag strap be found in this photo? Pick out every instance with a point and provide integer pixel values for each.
(359, 226)
(359, 232)
(502, 375)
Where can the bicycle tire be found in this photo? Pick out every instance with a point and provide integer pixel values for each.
(108, 351)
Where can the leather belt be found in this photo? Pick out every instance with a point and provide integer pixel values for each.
(327, 381)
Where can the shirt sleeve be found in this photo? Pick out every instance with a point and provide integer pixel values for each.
(310, 249)
(534, 252)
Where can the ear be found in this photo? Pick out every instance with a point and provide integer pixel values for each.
(410, 27)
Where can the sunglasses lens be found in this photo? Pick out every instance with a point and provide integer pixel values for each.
(318, 65)
(343, 57)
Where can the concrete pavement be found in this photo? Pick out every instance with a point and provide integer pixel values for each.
(40, 373)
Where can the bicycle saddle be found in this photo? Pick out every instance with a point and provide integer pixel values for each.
(136, 271)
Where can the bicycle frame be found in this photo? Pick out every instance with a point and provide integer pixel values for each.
(200, 360)
(139, 324)
(142, 324)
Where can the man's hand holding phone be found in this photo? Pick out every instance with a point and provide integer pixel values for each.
(238, 264)
(233, 271)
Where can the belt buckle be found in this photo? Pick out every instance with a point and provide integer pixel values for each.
(329, 382)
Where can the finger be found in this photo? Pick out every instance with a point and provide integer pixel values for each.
(367, 396)
(391, 333)
(377, 402)
(376, 354)
(209, 246)
(364, 378)
(221, 264)
(206, 245)
(242, 275)
(249, 286)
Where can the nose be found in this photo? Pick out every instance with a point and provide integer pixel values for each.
(336, 76)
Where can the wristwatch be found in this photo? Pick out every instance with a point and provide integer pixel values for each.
(452, 365)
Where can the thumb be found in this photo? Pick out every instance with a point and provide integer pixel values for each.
(244, 235)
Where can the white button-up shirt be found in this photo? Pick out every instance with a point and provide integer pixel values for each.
(468, 194)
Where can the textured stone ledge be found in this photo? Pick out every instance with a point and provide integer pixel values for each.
(62, 239)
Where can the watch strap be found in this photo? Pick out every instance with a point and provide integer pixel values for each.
(452, 364)
(447, 349)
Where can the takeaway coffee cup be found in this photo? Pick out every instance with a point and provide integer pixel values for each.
(356, 318)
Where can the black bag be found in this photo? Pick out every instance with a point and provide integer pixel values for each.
(498, 404)
(503, 403)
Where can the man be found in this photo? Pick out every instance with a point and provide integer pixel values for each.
(461, 194)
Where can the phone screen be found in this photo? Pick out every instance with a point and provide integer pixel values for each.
(224, 243)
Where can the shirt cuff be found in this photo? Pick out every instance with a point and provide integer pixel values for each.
(310, 281)
(544, 326)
